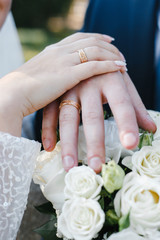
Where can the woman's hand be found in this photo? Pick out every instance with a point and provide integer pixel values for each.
(51, 73)
(125, 103)
(5, 6)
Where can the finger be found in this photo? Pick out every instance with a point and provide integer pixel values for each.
(96, 54)
(89, 69)
(93, 42)
(49, 125)
(80, 35)
(69, 122)
(93, 123)
(65, 80)
(143, 117)
(120, 103)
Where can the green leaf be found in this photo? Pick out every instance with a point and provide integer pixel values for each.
(107, 115)
(101, 202)
(48, 231)
(105, 194)
(111, 217)
(46, 208)
(58, 136)
(145, 138)
(124, 222)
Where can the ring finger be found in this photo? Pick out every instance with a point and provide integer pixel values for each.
(96, 54)
(69, 121)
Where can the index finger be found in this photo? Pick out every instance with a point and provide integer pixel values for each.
(122, 108)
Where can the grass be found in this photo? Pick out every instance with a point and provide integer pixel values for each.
(35, 40)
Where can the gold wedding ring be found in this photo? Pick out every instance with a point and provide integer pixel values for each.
(70, 102)
(82, 56)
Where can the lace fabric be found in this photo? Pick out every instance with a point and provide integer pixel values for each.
(17, 162)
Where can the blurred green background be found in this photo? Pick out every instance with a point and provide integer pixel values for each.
(44, 22)
(35, 13)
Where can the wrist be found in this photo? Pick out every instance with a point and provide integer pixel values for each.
(10, 106)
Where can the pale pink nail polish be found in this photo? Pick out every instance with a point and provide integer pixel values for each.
(120, 63)
(109, 38)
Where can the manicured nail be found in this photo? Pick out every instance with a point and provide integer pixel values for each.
(68, 162)
(46, 144)
(96, 164)
(129, 140)
(109, 38)
(123, 57)
(120, 63)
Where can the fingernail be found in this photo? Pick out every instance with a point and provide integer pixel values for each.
(120, 63)
(129, 140)
(109, 38)
(46, 144)
(68, 162)
(96, 164)
(126, 69)
(123, 57)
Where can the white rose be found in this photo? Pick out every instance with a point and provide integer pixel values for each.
(81, 219)
(49, 174)
(113, 148)
(131, 235)
(82, 182)
(127, 234)
(146, 161)
(140, 196)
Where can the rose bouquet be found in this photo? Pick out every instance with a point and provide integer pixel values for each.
(122, 202)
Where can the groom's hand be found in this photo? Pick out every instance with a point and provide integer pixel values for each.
(115, 88)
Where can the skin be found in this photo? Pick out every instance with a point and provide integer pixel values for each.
(115, 88)
(48, 76)
(32, 87)
(5, 6)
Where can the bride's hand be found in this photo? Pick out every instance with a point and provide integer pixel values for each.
(4, 9)
(51, 73)
(125, 103)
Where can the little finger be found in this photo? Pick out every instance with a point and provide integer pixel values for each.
(49, 125)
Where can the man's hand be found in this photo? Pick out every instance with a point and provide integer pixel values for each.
(115, 88)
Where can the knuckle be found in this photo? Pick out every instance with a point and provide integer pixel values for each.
(91, 117)
(95, 144)
(115, 50)
(97, 50)
(48, 128)
(78, 34)
(123, 100)
(94, 40)
(93, 67)
(67, 118)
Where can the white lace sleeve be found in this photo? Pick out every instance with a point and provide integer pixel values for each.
(17, 162)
